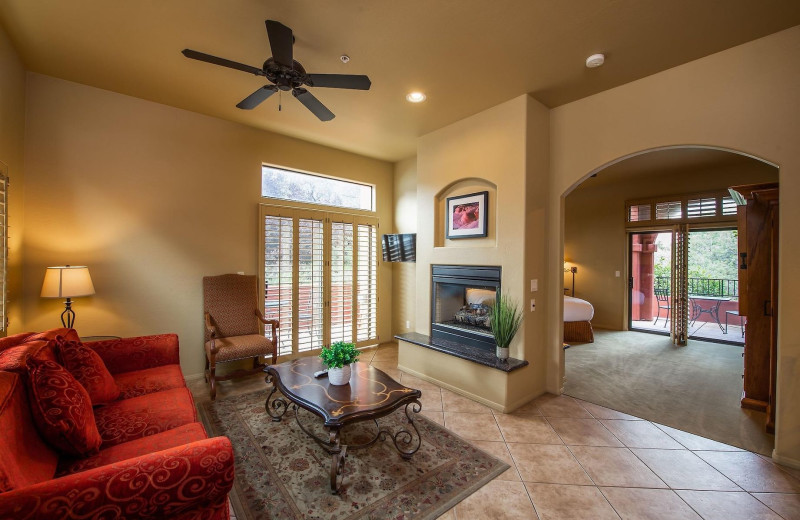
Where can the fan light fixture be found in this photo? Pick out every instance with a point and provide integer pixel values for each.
(415, 97)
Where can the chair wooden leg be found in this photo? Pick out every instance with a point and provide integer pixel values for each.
(212, 376)
(205, 372)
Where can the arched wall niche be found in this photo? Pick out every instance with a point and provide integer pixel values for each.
(465, 186)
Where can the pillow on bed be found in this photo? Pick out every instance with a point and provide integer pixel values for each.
(481, 297)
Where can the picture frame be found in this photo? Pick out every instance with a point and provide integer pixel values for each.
(466, 216)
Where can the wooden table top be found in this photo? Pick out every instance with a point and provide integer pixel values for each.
(371, 393)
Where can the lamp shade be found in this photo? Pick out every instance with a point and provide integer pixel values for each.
(67, 281)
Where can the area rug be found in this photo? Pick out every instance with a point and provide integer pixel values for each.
(283, 474)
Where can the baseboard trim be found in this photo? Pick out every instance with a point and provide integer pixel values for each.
(469, 395)
(785, 461)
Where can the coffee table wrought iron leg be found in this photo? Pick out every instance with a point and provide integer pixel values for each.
(338, 456)
(277, 408)
(404, 437)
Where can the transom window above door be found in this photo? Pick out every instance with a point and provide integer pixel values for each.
(280, 183)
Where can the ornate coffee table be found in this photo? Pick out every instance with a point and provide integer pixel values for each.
(370, 395)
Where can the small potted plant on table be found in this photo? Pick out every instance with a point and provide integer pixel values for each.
(505, 321)
(338, 358)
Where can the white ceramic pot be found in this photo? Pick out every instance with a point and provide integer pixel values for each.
(339, 376)
(502, 353)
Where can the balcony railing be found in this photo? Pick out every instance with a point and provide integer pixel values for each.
(718, 287)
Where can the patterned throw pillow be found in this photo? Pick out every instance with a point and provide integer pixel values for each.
(90, 371)
(61, 409)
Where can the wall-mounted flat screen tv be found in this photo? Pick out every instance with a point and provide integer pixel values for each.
(400, 247)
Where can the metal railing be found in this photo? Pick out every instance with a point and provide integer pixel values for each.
(719, 287)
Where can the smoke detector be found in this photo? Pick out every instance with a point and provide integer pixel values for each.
(595, 60)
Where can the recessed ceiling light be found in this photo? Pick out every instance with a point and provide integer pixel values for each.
(415, 97)
(595, 60)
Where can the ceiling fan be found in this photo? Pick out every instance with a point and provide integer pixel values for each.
(286, 74)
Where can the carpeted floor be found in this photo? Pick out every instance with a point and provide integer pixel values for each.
(696, 388)
(283, 474)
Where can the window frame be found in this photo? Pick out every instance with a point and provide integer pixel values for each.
(653, 202)
(313, 205)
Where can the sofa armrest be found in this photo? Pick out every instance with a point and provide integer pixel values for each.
(129, 354)
(157, 485)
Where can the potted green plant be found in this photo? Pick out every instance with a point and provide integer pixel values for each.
(338, 358)
(506, 319)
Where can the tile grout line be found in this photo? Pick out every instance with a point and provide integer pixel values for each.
(514, 462)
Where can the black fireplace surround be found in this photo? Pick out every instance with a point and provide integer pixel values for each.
(461, 301)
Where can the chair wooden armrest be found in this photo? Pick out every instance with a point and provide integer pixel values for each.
(275, 324)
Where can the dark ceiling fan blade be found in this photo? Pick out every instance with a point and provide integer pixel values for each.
(189, 53)
(280, 41)
(357, 82)
(255, 99)
(313, 104)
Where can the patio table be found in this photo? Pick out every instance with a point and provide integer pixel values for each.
(707, 305)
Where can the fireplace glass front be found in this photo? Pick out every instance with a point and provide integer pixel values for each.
(462, 298)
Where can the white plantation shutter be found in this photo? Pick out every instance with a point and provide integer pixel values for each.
(4, 246)
(310, 304)
(320, 271)
(705, 207)
(278, 261)
(341, 286)
(367, 283)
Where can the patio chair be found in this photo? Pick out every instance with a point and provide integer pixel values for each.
(662, 296)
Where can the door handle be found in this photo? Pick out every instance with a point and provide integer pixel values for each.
(743, 265)
(767, 308)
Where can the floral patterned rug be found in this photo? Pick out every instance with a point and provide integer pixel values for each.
(283, 474)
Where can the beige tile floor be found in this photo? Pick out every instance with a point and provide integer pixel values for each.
(570, 459)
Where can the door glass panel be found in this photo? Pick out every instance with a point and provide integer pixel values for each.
(650, 268)
(310, 327)
(714, 286)
(278, 262)
(341, 282)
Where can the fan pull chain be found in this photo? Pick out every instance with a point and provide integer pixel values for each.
(280, 99)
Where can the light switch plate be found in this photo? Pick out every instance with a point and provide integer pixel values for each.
(534, 285)
(616, 273)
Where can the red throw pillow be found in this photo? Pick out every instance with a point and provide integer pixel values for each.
(90, 371)
(61, 409)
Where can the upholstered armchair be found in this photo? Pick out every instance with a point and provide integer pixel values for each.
(235, 326)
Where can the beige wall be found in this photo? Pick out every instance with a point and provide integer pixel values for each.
(405, 221)
(12, 132)
(744, 99)
(594, 228)
(502, 150)
(152, 198)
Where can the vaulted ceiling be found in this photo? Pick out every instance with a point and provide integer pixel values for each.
(466, 55)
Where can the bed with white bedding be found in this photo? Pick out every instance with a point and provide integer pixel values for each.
(577, 320)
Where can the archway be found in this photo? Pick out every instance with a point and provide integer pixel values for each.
(598, 239)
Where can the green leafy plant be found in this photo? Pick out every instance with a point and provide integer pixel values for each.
(506, 320)
(339, 354)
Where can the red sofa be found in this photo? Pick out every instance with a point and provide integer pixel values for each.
(155, 460)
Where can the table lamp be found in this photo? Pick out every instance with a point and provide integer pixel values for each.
(67, 281)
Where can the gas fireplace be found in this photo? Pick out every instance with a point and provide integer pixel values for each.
(462, 297)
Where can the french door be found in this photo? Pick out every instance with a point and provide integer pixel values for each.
(657, 286)
(320, 277)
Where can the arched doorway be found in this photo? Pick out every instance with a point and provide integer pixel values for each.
(695, 390)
